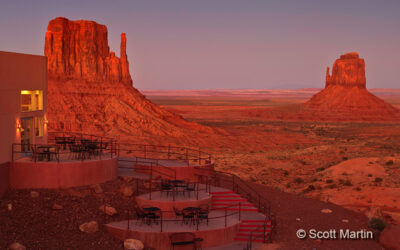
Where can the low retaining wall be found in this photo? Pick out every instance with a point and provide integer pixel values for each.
(161, 240)
(4, 177)
(63, 174)
(167, 206)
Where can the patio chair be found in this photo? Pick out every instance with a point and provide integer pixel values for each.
(182, 239)
(187, 216)
(191, 187)
(203, 212)
(165, 187)
(140, 215)
(55, 153)
(178, 213)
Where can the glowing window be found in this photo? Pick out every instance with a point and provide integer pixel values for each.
(39, 126)
(31, 100)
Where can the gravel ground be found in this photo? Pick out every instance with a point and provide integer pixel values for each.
(290, 207)
(33, 223)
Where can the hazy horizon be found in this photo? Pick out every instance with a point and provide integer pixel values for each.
(233, 44)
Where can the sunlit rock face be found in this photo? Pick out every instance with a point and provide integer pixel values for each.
(348, 71)
(90, 89)
(345, 95)
(79, 50)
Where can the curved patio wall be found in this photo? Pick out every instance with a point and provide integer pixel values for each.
(63, 174)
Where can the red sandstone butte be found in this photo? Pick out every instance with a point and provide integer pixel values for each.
(90, 89)
(346, 96)
(79, 50)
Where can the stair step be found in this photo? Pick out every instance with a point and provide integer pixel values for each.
(228, 196)
(223, 192)
(232, 204)
(251, 230)
(247, 239)
(238, 200)
(246, 221)
(248, 234)
(237, 209)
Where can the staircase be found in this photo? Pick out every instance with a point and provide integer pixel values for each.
(230, 199)
(255, 226)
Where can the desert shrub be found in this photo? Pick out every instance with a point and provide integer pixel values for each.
(369, 175)
(320, 169)
(345, 158)
(329, 181)
(332, 186)
(341, 181)
(309, 188)
(344, 173)
(252, 179)
(358, 188)
(347, 183)
(298, 180)
(377, 224)
(286, 173)
(288, 185)
(378, 179)
(389, 163)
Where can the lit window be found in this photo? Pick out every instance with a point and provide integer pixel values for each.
(39, 126)
(31, 100)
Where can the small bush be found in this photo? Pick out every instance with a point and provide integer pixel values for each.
(358, 188)
(298, 180)
(320, 169)
(369, 175)
(286, 173)
(389, 163)
(329, 181)
(376, 224)
(378, 179)
(345, 158)
(332, 186)
(347, 183)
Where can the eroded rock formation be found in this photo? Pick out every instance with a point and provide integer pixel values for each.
(79, 50)
(90, 90)
(348, 71)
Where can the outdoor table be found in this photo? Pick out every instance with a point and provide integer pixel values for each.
(46, 150)
(179, 184)
(151, 212)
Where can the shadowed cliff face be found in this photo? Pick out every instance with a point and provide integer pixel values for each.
(90, 89)
(79, 50)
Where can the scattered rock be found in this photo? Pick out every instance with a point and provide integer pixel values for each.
(127, 178)
(108, 210)
(132, 244)
(16, 246)
(9, 206)
(127, 191)
(34, 194)
(374, 212)
(97, 189)
(298, 219)
(57, 207)
(326, 211)
(389, 237)
(89, 227)
(345, 221)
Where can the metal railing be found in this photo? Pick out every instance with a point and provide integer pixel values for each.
(162, 152)
(265, 229)
(163, 220)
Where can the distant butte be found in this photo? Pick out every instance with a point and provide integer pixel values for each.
(345, 93)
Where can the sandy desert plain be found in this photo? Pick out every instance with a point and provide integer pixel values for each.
(354, 164)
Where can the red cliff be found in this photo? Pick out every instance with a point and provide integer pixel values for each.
(79, 50)
(90, 89)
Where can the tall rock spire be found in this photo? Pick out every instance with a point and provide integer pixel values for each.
(126, 77)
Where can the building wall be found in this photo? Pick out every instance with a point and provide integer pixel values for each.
(19, 72)
(4, 178)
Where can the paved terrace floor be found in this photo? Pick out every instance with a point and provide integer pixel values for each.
(66, 156)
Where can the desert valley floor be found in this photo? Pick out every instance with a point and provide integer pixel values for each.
(353, 164)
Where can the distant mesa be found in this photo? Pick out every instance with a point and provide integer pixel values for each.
(79, 50)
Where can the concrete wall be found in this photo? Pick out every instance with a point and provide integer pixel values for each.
(4, 178)
(19, 72)
(63, 174)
